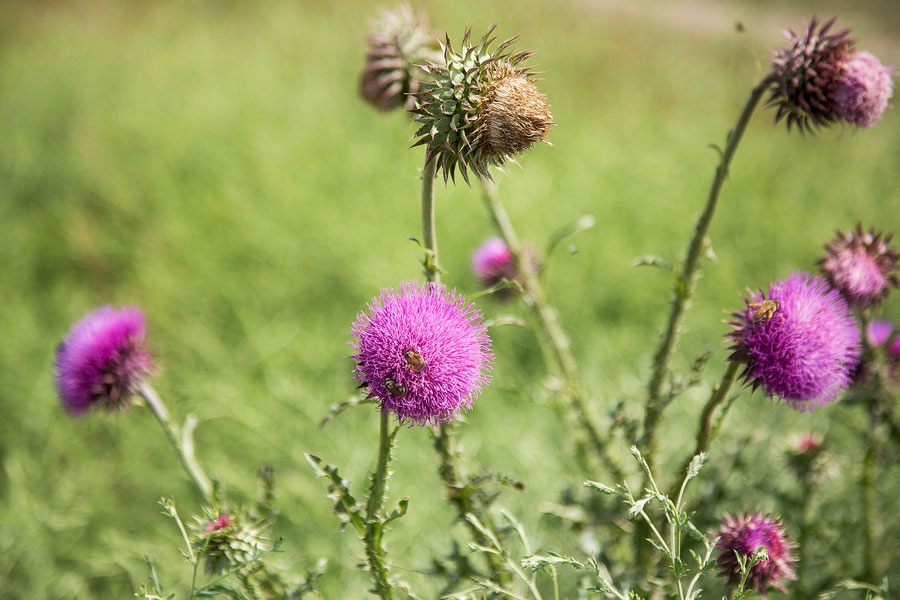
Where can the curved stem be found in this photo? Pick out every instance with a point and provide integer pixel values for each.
(182, 442)
(374, 507)
(536, 298)
(684, 286)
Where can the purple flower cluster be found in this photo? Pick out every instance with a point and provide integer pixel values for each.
(103, 360)
(743, 536)
(422, 351)
(800, 343)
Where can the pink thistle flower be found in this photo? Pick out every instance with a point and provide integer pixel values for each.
(861, 265)
(422, 351)
(743, 536)
(862, 91)
(103, 360)
(879, 331)
(800, 344)
(820, 78)
(493, 261)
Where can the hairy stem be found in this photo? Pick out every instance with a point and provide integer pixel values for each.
(374, 507)
(182, 441)
(536, 298)
(429, 228)
(686, 281)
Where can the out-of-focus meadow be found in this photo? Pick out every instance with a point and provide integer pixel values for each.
(212, 163)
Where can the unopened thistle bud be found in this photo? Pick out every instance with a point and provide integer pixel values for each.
(820, 79)
(228, 540)
(481, 108)
(401, 41)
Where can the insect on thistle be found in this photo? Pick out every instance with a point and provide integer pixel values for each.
(414, 360)
(764, 310)
(394, 388)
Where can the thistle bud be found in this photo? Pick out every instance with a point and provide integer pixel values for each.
(228, 540)
(481, 108)
(400, 42)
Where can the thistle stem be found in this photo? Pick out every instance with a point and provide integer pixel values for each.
(686, 282)
(561, 353)
(182, 441)
(374, 508)
(708, 429)
(429, 227)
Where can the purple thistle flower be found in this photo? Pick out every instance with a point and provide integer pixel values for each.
(422, 351)
(492, 262)
(862, 91)
(820, 78)
(879, 331)
(801, 344)
(103, 360)
(804, 73)
(742, 536)
(861, 265)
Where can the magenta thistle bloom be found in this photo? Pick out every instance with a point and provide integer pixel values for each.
(103, 360)
(879, 331)
(492, 262)
(743, 536)
(862, 90)
(422, 351)
(805, 72)
(800, 344)
(861, 265)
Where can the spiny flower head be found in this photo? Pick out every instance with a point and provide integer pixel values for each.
(228, 539)
(422, 351)
(481, 108)
(800, 344)
(861, 265)
(862, 91)
(401, 41)
(103, 360)
(805, 72)
(820, 78)
(743, 535)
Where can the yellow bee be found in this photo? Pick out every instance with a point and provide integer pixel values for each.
(765, 310)
(414, 360)
(392, 387)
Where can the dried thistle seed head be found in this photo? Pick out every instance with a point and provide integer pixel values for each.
(804, 74)
(401, 41)
(481, 108)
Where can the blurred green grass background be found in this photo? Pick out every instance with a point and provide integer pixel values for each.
(211, 163)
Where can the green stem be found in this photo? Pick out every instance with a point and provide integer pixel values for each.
(374, 507)
(182, 441)
(536, 298)
(444, 441)
(429, 227)
(686, 282)
(708, 430)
